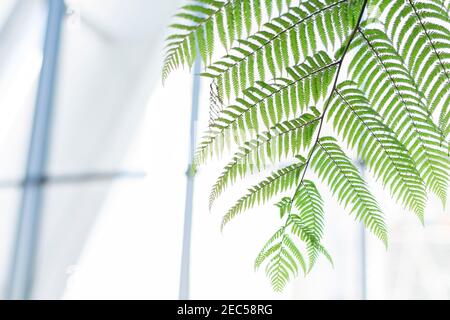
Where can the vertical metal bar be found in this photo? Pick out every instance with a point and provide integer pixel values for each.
(186, 250)
(363, 246)
(23, 263)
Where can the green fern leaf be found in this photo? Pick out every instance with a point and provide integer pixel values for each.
(336, 169)
(381, 81)
(363, 129)
(425, 47)
(284, 32)
(279, 181)
(308, 83)
(390, 87)
(281, 141)
(313, 246)
(269, 248)
(309, 204)
(284, 205)
(284, 263)
(195, 18)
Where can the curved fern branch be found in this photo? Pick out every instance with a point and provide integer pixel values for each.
(327, 104)
(272, 102)
(382, 83)
(378, 147)
(334, 167)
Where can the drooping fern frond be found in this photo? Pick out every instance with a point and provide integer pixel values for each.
(270, 247)
(284, 74)
(314, 247)
(363, 128)
(285, 259)
(420, 29)
(310, 221)
(390, 87)
(335, 168)
(279, 181)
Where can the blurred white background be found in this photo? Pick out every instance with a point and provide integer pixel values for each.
(115, 228)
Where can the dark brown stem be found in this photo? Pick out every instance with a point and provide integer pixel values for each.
(327, 104)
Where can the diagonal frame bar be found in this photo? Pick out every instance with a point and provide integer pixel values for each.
(22, 270)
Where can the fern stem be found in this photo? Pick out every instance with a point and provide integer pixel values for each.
(327, 104)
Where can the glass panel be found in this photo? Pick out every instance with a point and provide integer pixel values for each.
(21, 39)
(131, 251)
(6, 7)
(107, 69)
(9, 199)
(417, 262)
(123, 257)
(22, 25)
(109, 63)
(69, 212)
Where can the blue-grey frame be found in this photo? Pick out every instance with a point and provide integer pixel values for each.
(20, 282)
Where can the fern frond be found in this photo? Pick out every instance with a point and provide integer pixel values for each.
(283, 265)
(269, 247)
(314, 247)
(420, 29)
(446, 5)
(309, 204)
(271, 102)
(281, 43)
(380, 72)
(285, 257)
(279, 181)
(284, 205)
(197, 22)
(201, 19)
(381, 82)
(335, 168)
(281, 141)
(363, 129)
